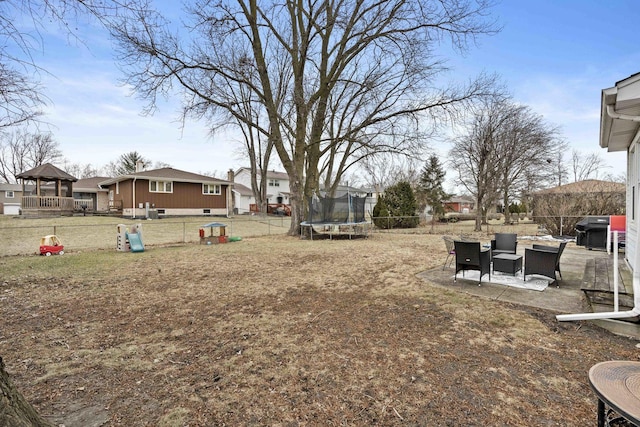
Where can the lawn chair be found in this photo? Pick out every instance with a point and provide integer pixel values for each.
(451, 251)
(470, 256)
(504, 243)
(544, 260)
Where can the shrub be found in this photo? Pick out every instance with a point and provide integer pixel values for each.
(381, 214)
(397, 208)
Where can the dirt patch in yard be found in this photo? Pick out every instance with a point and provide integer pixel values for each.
(283, 331)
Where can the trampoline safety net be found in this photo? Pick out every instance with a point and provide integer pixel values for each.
(336, 210)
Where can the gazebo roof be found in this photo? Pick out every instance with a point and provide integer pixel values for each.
(48, 172)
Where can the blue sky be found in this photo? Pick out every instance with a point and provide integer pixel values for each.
(555, 56)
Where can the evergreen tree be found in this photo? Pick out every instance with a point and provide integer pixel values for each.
(126, 164)
(430, 187)
(381, 214)
(400, 203)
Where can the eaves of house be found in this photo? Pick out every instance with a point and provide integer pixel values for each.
(167, 174)
(271, 174)
(90, 185)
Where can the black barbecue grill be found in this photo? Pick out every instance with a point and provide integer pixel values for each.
(591, 232)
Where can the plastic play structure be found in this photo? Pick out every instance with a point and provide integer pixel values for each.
(221, 237)
(51, 244)
(211, 238)
(129, 239)
(337, 216)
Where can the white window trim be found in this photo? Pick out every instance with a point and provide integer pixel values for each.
(164, 186)
(9, 194)
(217, 187)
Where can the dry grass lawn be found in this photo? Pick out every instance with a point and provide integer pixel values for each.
(283, 331)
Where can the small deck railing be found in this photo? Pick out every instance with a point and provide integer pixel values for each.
(115, 205)
(43, 203)
(83, 205)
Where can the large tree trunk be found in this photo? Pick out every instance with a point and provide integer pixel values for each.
(15, 411)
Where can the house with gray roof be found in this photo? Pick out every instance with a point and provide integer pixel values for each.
(167, 192)
(89, 196)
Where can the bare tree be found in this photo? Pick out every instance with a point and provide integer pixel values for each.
(21, 151)
(21, 95)
(504, 150)
(558, 173)
(474, 155)
(301, 55)
(385, 170)
(524, 144)
(79, 170)
(558, 209)
(586, 166)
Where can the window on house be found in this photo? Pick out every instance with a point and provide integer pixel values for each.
(9, 194)
(274, 183)
(211, 189)
(160, 187)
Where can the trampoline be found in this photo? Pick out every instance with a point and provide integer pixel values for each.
(336, 216)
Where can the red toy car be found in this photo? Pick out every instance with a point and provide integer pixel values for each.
(51, 244)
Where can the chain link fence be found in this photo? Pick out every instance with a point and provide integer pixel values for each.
(22, 236)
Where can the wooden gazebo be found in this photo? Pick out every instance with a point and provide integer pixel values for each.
(53, 191)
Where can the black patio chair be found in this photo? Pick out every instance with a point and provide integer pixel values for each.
(544, 260)
(558, 249)
(504, 243)
(470, 256)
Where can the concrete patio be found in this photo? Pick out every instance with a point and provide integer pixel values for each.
(580, 291)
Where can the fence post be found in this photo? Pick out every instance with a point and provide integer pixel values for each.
(184, 232)
(561, 225)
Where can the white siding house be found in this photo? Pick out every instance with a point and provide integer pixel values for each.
(10, 197)
(277, 189)
(620, 131)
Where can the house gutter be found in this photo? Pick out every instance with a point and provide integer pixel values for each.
(611, 112)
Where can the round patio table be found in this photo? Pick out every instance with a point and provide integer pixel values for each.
(617, 385)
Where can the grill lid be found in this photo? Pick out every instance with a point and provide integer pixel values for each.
(593, 223)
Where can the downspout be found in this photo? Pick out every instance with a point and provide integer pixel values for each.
(133, 197)
(614, 314)
(636, 270)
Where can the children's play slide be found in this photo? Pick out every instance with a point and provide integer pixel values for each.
(135, 242)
